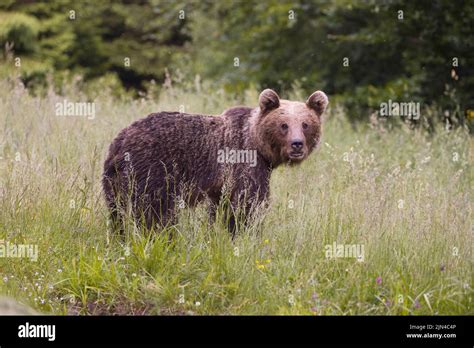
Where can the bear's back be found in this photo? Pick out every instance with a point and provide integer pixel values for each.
(168, 143)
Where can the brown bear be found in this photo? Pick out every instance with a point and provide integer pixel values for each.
(169, 159)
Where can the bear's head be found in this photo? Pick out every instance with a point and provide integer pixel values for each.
(287, 131)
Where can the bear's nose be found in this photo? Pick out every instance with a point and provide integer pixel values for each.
(297, 144)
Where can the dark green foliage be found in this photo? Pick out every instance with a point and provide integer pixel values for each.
(423, 53)
(134, 40)
(405, 56)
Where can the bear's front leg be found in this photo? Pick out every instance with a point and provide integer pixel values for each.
(245, 203)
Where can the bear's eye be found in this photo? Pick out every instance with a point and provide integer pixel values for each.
(305, 125)
(284, 126)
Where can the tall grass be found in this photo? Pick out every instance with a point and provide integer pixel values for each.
(404, 195)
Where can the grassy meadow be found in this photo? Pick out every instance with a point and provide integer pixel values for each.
(404, 195)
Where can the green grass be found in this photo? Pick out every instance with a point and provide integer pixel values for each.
(404, 195)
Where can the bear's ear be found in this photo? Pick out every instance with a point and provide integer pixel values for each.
(318, 101)
(268, 100)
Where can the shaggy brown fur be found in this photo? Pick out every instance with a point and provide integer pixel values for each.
(170, 157)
